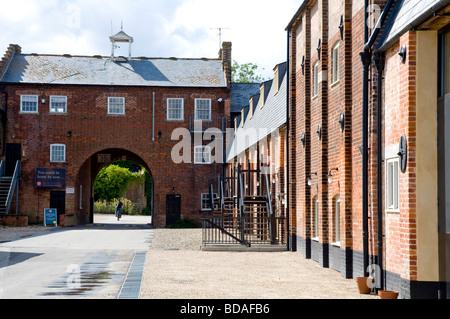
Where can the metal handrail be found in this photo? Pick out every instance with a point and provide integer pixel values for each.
(12, 188)
(2, 168)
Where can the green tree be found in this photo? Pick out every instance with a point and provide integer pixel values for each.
(113, 181)
(245, 73)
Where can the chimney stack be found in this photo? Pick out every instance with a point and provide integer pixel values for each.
(225, 55)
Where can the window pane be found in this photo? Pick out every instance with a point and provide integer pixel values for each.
(29, 103)
(175, 109)
(203, 109)
(58, 153)
(58, 104)
(116, 105)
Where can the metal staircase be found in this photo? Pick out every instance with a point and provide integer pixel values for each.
(241, 218)
(9, 186)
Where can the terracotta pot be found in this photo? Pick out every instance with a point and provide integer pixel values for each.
(362, 285)
(388, 294)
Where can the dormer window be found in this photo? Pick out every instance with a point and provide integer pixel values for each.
(275, 81)
(261, 95)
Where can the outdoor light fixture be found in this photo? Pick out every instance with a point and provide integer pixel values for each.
(303, 139)
(303, 65)
(319, 131)
(342, 121)
(309, 179)
(330, 177)
(402, 53)
(319, 47)
(341, 27)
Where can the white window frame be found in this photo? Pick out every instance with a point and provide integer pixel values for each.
(171, 107)
(316, 218)
(316, 79)
(197, 106)
(337, 220)
(205, 201)
(53, 156)
(112, 105)
(393, 185)
(31, 99)
(335, 71)
(55, 110)
(205, 152)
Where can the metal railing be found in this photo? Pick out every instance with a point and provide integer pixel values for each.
(248, 231)
(14, 187)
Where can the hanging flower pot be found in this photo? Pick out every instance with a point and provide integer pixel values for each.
(363, 286)
(388, 294)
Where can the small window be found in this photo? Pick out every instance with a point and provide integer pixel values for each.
(261, 96)
(275, 81)
(335, 70)
(29, 104)
(58, 104)
(392, 176)
(175, 109)
(116, 105)
(202, 109)
(316, 79)
(315, 232)
(337, 219)
(57, 153)
(206, 205)
(202, 155)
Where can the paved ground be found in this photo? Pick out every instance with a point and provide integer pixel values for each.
(176, 268)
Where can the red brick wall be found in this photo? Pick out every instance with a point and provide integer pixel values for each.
(93, 130)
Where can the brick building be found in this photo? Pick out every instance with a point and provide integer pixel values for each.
(65, 117)
(367, 182)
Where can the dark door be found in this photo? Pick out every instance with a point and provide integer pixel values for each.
(13, 154)
(173, 209)
(58, 201)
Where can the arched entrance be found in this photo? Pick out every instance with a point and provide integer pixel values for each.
(89, 171)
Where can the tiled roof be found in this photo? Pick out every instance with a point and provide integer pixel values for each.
(405, 15)
(241, 93)
(264, 121)
(79, 70)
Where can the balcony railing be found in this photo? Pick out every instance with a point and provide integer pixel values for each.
(216, 123)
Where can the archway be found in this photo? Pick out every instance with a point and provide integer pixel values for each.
(90, 170)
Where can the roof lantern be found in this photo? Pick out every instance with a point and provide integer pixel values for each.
(120, 37)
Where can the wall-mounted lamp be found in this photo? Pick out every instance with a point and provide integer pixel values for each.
(319, 47)
(220, 100)
(303, 65)
(303, 139)
(402, 53)
(341, 27)
(69, 134)
(309, 179)
(330, 177)
(319, 131)
(342, 122)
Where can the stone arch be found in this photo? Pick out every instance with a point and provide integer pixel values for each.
(89, 170)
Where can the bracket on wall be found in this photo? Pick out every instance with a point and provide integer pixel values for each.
(303, 139)
(319, 47)
(303, 65)
(403, 153)
(342, 122)
(319, 131)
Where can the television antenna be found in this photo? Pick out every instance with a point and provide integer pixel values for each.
(220, 34)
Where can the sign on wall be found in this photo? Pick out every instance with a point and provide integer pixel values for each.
(50, 178)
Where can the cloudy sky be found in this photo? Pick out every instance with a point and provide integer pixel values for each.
(161, 28)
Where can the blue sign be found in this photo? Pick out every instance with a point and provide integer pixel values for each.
(50, 217)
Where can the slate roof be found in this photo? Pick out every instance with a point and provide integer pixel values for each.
(96, 70)
(264, 121)
(405, 15)
(240, 95)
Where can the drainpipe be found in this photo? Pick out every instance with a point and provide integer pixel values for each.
(288, 198)
(366, 57)
(379, 63)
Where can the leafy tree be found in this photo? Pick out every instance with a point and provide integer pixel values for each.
(113, 181)
(245, 73)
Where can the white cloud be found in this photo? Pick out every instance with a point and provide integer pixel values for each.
(182, 28)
